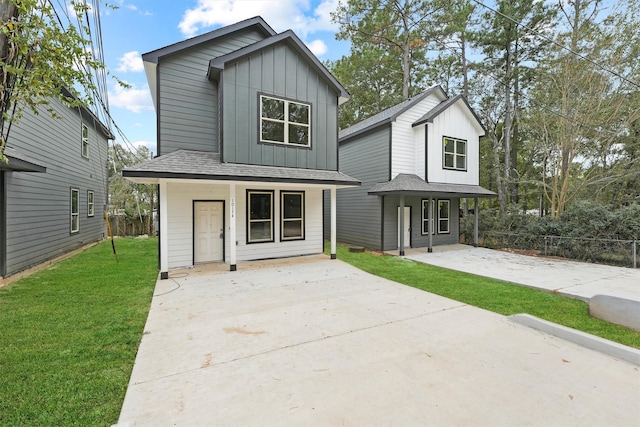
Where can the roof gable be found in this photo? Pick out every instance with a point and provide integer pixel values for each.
(443, 106)
(216, 65)
(389, 115)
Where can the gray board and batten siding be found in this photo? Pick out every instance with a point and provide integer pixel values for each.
(37, 206)
(359, 215)
(187, 108)
(281, 71)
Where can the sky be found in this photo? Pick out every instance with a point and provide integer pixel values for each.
(140, 26)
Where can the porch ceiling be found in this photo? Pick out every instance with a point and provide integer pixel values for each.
(413, 185)
(187, 164)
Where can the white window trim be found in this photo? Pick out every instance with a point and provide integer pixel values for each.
(75, 214)
(249, 220)
(301, 219)
(455, 153)
(425, 203)
(90, 203)
(442, 220)
(84, 148)
(285, 122)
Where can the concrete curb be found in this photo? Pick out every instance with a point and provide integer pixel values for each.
(592, 342)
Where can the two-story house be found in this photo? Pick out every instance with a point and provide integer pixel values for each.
(415, 160)
(247, 143)
(53, 189)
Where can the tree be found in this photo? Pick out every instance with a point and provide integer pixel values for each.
(41, 59)
(586, 111)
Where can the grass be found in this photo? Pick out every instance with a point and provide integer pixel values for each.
(489, 294)
(69, 335)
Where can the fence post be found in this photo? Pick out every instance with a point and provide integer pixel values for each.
(634, 252)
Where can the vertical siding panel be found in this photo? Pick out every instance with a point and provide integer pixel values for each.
(279, 56)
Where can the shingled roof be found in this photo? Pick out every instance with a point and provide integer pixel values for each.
(409, 184)
(188, 164)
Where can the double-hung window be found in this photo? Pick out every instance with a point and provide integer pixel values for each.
(443, 216)
(426, 217)
(292, 215)
(285, 122)
(85, 141)
(75, 210)
(455, 154)
(90, 203)
(260, 216)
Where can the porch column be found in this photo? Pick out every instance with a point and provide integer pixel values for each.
(475, 222)
(333, 222)
(232, 226)
(401, 248)
(429, 222)
(164, 231)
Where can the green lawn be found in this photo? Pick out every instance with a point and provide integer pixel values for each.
(490, 294)
(69, 336)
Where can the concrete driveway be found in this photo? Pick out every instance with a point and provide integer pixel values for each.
(313, 341)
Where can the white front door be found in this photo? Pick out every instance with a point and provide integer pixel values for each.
(407, 227)
(208, 232)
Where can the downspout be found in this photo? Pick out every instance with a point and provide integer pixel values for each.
(475, 222)
(401, 249)
(429, 220)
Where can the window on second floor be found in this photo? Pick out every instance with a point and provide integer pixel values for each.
(285, 122)
(455, 154)
(85, 141)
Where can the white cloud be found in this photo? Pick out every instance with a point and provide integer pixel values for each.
(149, 144)
(132, 99)
(131, 61)
(317, 47)
(280, 14)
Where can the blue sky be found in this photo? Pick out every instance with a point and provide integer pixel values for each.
(140, 26)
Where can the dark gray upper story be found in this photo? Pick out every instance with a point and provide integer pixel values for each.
(35, 198)
(207, 95)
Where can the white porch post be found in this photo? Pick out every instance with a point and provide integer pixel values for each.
(232, 226)
(475, 222)
(164, 231)
(430, 221)
(333, 222)
(401, 248)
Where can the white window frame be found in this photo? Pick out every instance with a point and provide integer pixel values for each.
(442, 220)
(90, 203)
(286, 122)
(296, 219)
(251, 221)
(75, 210)
(425, 204)
(85, 141)
(455, 153)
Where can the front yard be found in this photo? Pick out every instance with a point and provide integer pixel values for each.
(69, 335)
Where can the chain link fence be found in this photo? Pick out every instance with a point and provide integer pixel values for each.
(603, 251)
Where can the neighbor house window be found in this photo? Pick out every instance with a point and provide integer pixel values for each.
(75, 210)
(425, 217)
(260, 216)
(85, 141)
(455, 154)
(90, 203)
(285, 122)
(292, 215)
(443, 216)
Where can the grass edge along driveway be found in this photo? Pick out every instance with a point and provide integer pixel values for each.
(490, 294)
(69, 335)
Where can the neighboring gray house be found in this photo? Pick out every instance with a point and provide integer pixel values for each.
(247, 142)
(415, 160)
(53, 188)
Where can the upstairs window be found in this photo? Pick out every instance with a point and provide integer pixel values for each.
(455, 154)
(285, 122)
(85, 141)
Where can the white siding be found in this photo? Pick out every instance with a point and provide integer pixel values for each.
(405, 139)
(180, 218)
(455, 122)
